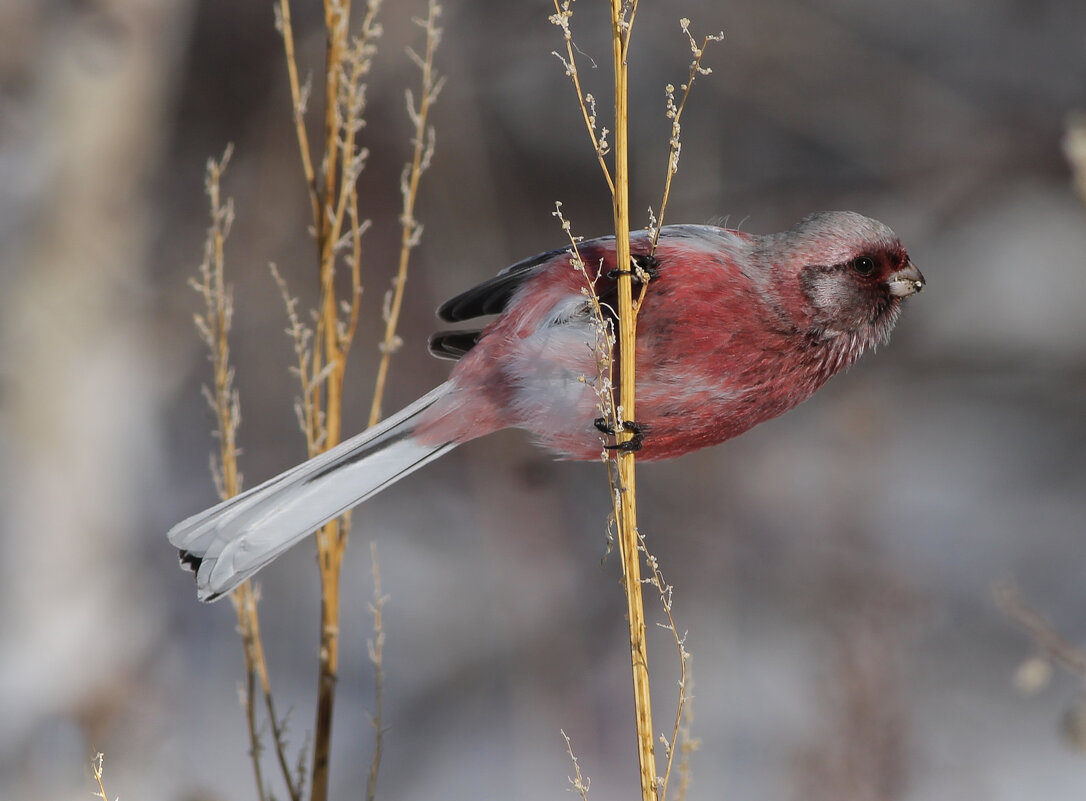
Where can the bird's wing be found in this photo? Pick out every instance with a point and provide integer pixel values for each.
(453, 344)
(492, 296)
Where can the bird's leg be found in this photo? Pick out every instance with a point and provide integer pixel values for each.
(645, 269)
(632, 445)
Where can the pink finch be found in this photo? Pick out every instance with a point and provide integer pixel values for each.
(735, 329)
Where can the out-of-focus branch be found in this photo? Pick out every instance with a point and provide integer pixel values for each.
(321, 353)
(300, 335)
(1044, 635)
(214, 329)
(254, 646)
(347, 63)
(299, 96)
(411, 229)
(213, 326)
(98, 769)
(1074, 148)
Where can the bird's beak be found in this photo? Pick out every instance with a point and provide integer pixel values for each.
(906, 281)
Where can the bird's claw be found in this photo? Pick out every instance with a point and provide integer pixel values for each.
(632, 445)
(646, 269)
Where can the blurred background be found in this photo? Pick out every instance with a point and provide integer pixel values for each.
(834, 568)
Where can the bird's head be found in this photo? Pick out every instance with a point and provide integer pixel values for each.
(852, 273)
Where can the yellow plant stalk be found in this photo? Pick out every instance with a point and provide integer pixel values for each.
(626, 498)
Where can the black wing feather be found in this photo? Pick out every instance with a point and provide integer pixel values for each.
(453, 344)
(492, 296)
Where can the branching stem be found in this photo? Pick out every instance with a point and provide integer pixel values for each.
(675, 113)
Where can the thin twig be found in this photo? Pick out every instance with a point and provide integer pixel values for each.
(688, 744)
(578, 783)
(98, 768)
(213, 326)
(411, 229)
(299, 96)
(300, 336)
(214, 329)
(247, 691)
(672, 745)
(603, 325)
(563, 13)
(675, 113)
(278, 729)
(358, 228)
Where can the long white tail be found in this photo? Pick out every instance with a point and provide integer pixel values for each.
(230, 542)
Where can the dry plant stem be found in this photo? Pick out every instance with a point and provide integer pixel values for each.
(680, 735)
(322, 353)
(675, 113)
(214, 329)
(623, 487)
(687, 746)
(255, 645)
(337, 15)
(329, 558)
(604, 341)
(562, 14)
(245, 608)
(299, 98)
(411, 230)
(97, 768)
(578, 783)
(622, 16)
(1044, 636)
(376, 652)
(357, 228)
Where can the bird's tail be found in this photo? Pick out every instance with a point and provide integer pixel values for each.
(230, 542)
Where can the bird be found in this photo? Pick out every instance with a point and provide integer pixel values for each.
(734, 329)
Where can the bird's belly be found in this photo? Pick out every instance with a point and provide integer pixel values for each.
(554, 380)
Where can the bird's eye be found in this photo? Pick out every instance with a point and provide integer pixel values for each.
(863, 265)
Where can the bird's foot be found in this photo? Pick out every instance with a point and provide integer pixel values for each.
(646, 269)
(632, 445)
